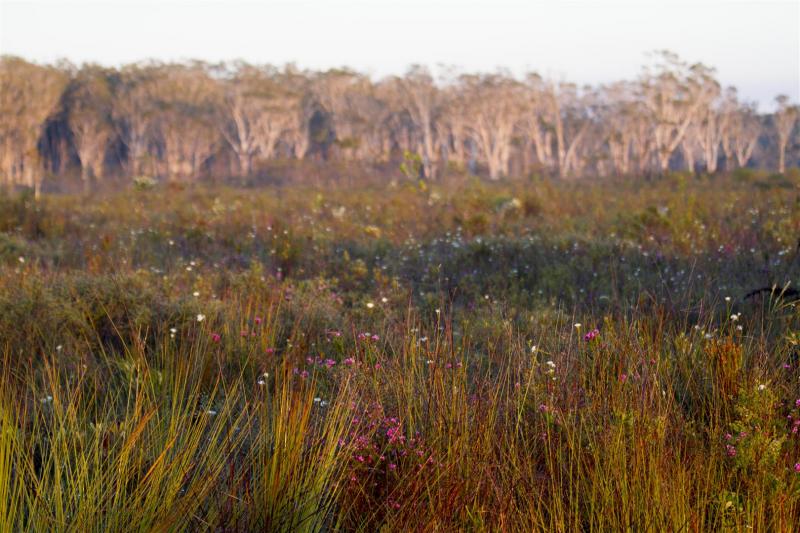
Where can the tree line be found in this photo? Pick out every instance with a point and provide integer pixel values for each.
(184, 121)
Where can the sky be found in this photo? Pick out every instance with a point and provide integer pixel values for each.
(754, 45)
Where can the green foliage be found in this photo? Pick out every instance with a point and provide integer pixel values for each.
(520, 356)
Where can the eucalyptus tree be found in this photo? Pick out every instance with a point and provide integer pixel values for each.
(422, 100)
(785, 119)
(88, 102)
(742, 132)
(675, 94)
(135, 115)
(187, 98)
(492, 104)
(257, 110)
(30, 94)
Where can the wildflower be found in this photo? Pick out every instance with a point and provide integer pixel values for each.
(216, 337)
(623, 378)
(762, 387)
(797, 467)
(577, 325)
(59, 348)
(370, 305)
(730, 450)
(21, 259)
(200, 317)
(727, 298)
(591, 335)
(375, 338)
(46, 399)
(735, 317)
(384, 299)
(196, 294)
(534, 348)
(393, 466)
(270, 350)
(349, 361)
(329, 362)
(211, 412)
(257, 320)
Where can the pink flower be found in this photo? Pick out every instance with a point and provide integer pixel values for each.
(623, 378)
(591, 335)
(730, 450)
(375, 338)
(393, 466)
(270, 350)
(258, 320)
(349, 361)
(216, 337)
(797, 467)
(329, 362)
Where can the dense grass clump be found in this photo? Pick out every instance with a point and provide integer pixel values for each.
(516, 356)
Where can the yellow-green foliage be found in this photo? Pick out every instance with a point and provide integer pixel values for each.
(536, 356)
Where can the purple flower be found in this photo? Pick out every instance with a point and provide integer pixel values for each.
(591, 335)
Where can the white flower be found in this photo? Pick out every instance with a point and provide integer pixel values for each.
(534, 349)
(317, 399)
(762, 387)
(551, 364)
(370, 305)
(21, 259)
(384, 299)
(46, 399)
(211, 412)
(578, 325)
(200, 317)
(727, 298)
(196, 293)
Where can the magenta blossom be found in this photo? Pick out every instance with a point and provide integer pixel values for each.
(797, 467)
(591, 335)
(216, 337)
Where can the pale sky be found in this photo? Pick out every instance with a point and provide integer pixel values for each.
(755, 45)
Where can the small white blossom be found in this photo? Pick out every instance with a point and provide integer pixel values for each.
(201, 317)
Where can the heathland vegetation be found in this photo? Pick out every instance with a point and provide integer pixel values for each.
(402, 354)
